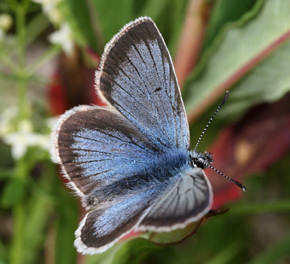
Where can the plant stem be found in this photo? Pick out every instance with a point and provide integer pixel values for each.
(263, 207)
(17, 254)
(20, 14)
(18, 239)
(47, 55)
(35, 27)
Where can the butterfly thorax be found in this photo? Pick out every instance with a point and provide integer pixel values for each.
(161, 170)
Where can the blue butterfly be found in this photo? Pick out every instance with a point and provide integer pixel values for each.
(130, 161)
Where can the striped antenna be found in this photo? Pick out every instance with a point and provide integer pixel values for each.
(227, 177)
(219, 107)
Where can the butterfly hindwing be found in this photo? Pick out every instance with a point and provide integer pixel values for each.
(185, 202)
(159, 207)
(101, 228)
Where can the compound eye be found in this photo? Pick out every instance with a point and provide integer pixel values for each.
(199, 163)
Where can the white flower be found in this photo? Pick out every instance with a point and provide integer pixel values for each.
(6, 118)
(55, 16)
(5, 22)
(50, 8)
(24, 138)
(64, 38)
(50, 122)
(5, 25)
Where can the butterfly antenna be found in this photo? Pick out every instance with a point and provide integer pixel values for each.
(219, 107)
(227, 177)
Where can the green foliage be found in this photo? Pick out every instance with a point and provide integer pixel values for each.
(229, 58)
(13, 192)
(226, 11)
(134, 251)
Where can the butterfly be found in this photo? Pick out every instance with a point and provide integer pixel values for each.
(129, 161)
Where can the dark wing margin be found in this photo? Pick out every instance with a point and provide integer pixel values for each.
(102, 228)
(137, 77)
(96, 146)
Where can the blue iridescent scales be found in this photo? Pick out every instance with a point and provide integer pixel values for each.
(129, 161)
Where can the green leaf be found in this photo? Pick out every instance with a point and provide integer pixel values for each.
(225, 11)
(93, 26)
(3, 253)
(154, 9)
(174, 236)
(278, 253)
(168, 15)
(65, 253)
(40, 208)
(169, 18)
(14, 191)
(107, 257)
(236, 51)
(6, 173)
(77, 14)
(112, 16)
(226, 255)
(134, 251)
(268, 82)
(262, 207)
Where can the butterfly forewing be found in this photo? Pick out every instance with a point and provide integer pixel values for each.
(137, 77)
(97, 146)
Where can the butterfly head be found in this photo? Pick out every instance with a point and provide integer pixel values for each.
(201, 159)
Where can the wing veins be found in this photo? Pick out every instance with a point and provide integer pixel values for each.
(125, 142)
(157, 138)
(84, 162)
(148, 90)
(166, 91)
(178, 196)
(104, 171)
(108, 74)
(157, 114)
(102, 152)
(169, 204)
(131, 95)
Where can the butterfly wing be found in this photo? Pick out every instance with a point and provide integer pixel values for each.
(101, 228)
(159, 208)
(107, 153)
(115, 169)
(185, 202)
(97, 146)
(137, 77)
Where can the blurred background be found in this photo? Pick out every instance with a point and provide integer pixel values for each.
(49, 51)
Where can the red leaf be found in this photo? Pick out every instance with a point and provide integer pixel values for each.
(252, 145)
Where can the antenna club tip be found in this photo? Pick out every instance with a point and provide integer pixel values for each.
(225, 97)
(244, 188)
